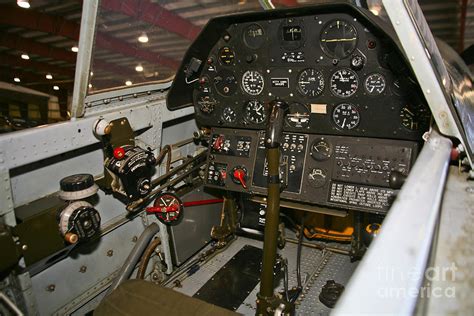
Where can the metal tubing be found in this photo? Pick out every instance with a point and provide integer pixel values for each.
(134, 256)
(84, 56)
(319, 247)
(146, 258)
(272, 219)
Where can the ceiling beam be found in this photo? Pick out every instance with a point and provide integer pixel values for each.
(154, 14)
(56, 25)
(43, 67)
(32, 47)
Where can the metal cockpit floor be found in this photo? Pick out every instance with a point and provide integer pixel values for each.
(317, 267)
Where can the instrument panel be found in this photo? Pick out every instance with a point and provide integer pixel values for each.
(337, 75)
(356, 114)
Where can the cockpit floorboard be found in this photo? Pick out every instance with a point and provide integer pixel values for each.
(317, 267)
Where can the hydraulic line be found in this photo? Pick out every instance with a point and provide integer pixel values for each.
(146, 258)
(134, 256)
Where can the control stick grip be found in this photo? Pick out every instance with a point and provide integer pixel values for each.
(278, 110)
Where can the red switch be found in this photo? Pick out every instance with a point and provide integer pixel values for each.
(239, 175)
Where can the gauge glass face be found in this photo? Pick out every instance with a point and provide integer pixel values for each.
(375, 84)
(344, 83)
(415, 117)
(317, 177)
(252, 82)
(228, 115)
(255, 112)
(298, 115)
(311, 82)
(321, 149)
(346, 116)
(291, 34)
(254, 36)
(226, 55)
(338, 39)
(206, 104)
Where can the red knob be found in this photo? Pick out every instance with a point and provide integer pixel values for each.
(119, 152)
(240, 175)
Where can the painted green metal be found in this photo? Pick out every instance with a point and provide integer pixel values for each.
(10, 252)
(272, 219)
(39, 236)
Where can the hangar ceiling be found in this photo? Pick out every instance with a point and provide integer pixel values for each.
(38, 45)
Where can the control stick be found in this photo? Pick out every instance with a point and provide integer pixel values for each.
(267, 301)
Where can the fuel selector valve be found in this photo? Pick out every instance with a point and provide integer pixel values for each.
(239, 176)
(78, 220)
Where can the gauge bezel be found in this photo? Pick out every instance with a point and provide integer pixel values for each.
(233, 111)
(331, 83)
(320, 75)
(292, 45)
(219, 56)
(244, 36)
(384, 83)
(246, 112)
(308, 112)
(326, 50)
(338, 126)
(244, 87)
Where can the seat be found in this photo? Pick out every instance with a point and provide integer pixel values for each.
(138, 297)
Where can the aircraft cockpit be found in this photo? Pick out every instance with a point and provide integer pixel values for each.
(311, 159)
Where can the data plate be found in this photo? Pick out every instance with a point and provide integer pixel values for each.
(361, 196)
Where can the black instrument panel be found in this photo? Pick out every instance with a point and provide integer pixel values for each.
(334, 171)
(338, 77)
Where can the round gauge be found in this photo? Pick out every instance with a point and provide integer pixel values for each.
(375, 84)
(228, 115)
(415, 117)
(344, 83)
(291, 34)
(346, 116)
(298, 115)
(317, 177)
(168, 208)
(338, 39)
(225, 83)
(255, 112)
(321, 149)
(311, 82)
(226, 55)
(206, 104)
(254, 36)
(252, 82)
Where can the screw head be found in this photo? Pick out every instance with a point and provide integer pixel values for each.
(51, 287)
(110, 253)
(135, 238)
(24, 247)
(83, 269)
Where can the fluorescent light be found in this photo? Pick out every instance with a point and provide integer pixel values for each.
(75, 49)
(25, 4)
(92, 73)
(90, 85)
(49, 76)
(139, 68)
(128, 83)
(55, 88)
(16, 79)
(25, 56)
(143, 38)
